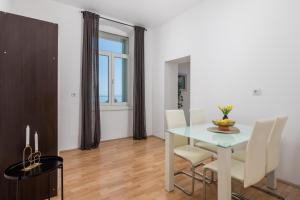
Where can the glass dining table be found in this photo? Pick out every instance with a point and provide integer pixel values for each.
(224, 143)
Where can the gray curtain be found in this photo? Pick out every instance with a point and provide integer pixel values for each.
(139, 121)
(90, 114)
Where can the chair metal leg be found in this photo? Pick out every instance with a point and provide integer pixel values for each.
(265, 190)
(193, 176)
(234, 197)
(193, 182)
(213, 177)
(200, 178)
(213, 174)
(238, 196)
(193, 179)
(204, 184)
(209, 180)
(271, 192)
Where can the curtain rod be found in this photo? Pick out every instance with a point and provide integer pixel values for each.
(118, 22)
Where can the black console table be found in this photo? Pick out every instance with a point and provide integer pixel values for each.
(48, 164)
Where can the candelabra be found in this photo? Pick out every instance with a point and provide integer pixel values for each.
(33, 159)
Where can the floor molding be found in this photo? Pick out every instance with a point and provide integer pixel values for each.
(288, 183)
(67, 150)
(110, 140)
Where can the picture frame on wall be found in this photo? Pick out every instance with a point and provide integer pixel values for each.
(182, 81)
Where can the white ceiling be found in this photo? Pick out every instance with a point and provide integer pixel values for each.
(148, 13)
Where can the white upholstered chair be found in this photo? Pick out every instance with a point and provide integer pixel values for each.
(253, 169)
(273, 147)
(197, 117)
(273, 151)
(195, 156)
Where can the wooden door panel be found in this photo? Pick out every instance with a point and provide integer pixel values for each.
(28, 89)
(11, 101)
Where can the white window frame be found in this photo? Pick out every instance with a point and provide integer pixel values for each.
(103, 53)
(111, 72)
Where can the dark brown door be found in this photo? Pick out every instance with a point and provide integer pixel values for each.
(28, 95)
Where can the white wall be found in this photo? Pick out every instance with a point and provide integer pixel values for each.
(4, 5)
(69, 22)
(115, 124)
(148, 79)
(171, 86)
(184, 68)
(236, 47)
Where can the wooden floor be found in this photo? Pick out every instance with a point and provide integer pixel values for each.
(127, 169)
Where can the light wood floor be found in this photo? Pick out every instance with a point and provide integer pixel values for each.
(127, 169)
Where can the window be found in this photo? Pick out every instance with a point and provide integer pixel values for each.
(113, 69)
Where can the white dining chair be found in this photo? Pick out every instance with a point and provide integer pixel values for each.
(197, 117)
(273, 153)
(253, 169)
(195, 156)
(273, 147)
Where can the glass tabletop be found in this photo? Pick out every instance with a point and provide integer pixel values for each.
(200, 132)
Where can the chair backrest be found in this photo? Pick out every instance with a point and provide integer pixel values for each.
(255, 160)
(176, 119)
(197, 116)
(273, 147)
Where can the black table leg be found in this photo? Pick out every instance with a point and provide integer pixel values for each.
(49, 186)
(62, 182)
(18, 190)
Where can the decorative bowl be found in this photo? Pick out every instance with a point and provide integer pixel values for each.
(223, 125)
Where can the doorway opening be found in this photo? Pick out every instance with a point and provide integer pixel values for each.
(177, 85)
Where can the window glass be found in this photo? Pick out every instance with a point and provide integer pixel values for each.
(104, 78)
(113, 43)
(120, 80)
(113, 69)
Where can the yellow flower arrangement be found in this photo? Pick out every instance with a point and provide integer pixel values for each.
(225, 123)
(226, 109)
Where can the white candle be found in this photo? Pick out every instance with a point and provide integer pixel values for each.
(27, 135)
(36, 142)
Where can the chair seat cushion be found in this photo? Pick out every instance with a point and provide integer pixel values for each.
(239, 155)
(237, 168)
(193, 154)
(207, 146)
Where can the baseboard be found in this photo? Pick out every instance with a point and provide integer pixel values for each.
(154, 136)
(110, 140)
(288, 183)
(67, 150)
(115, 139)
